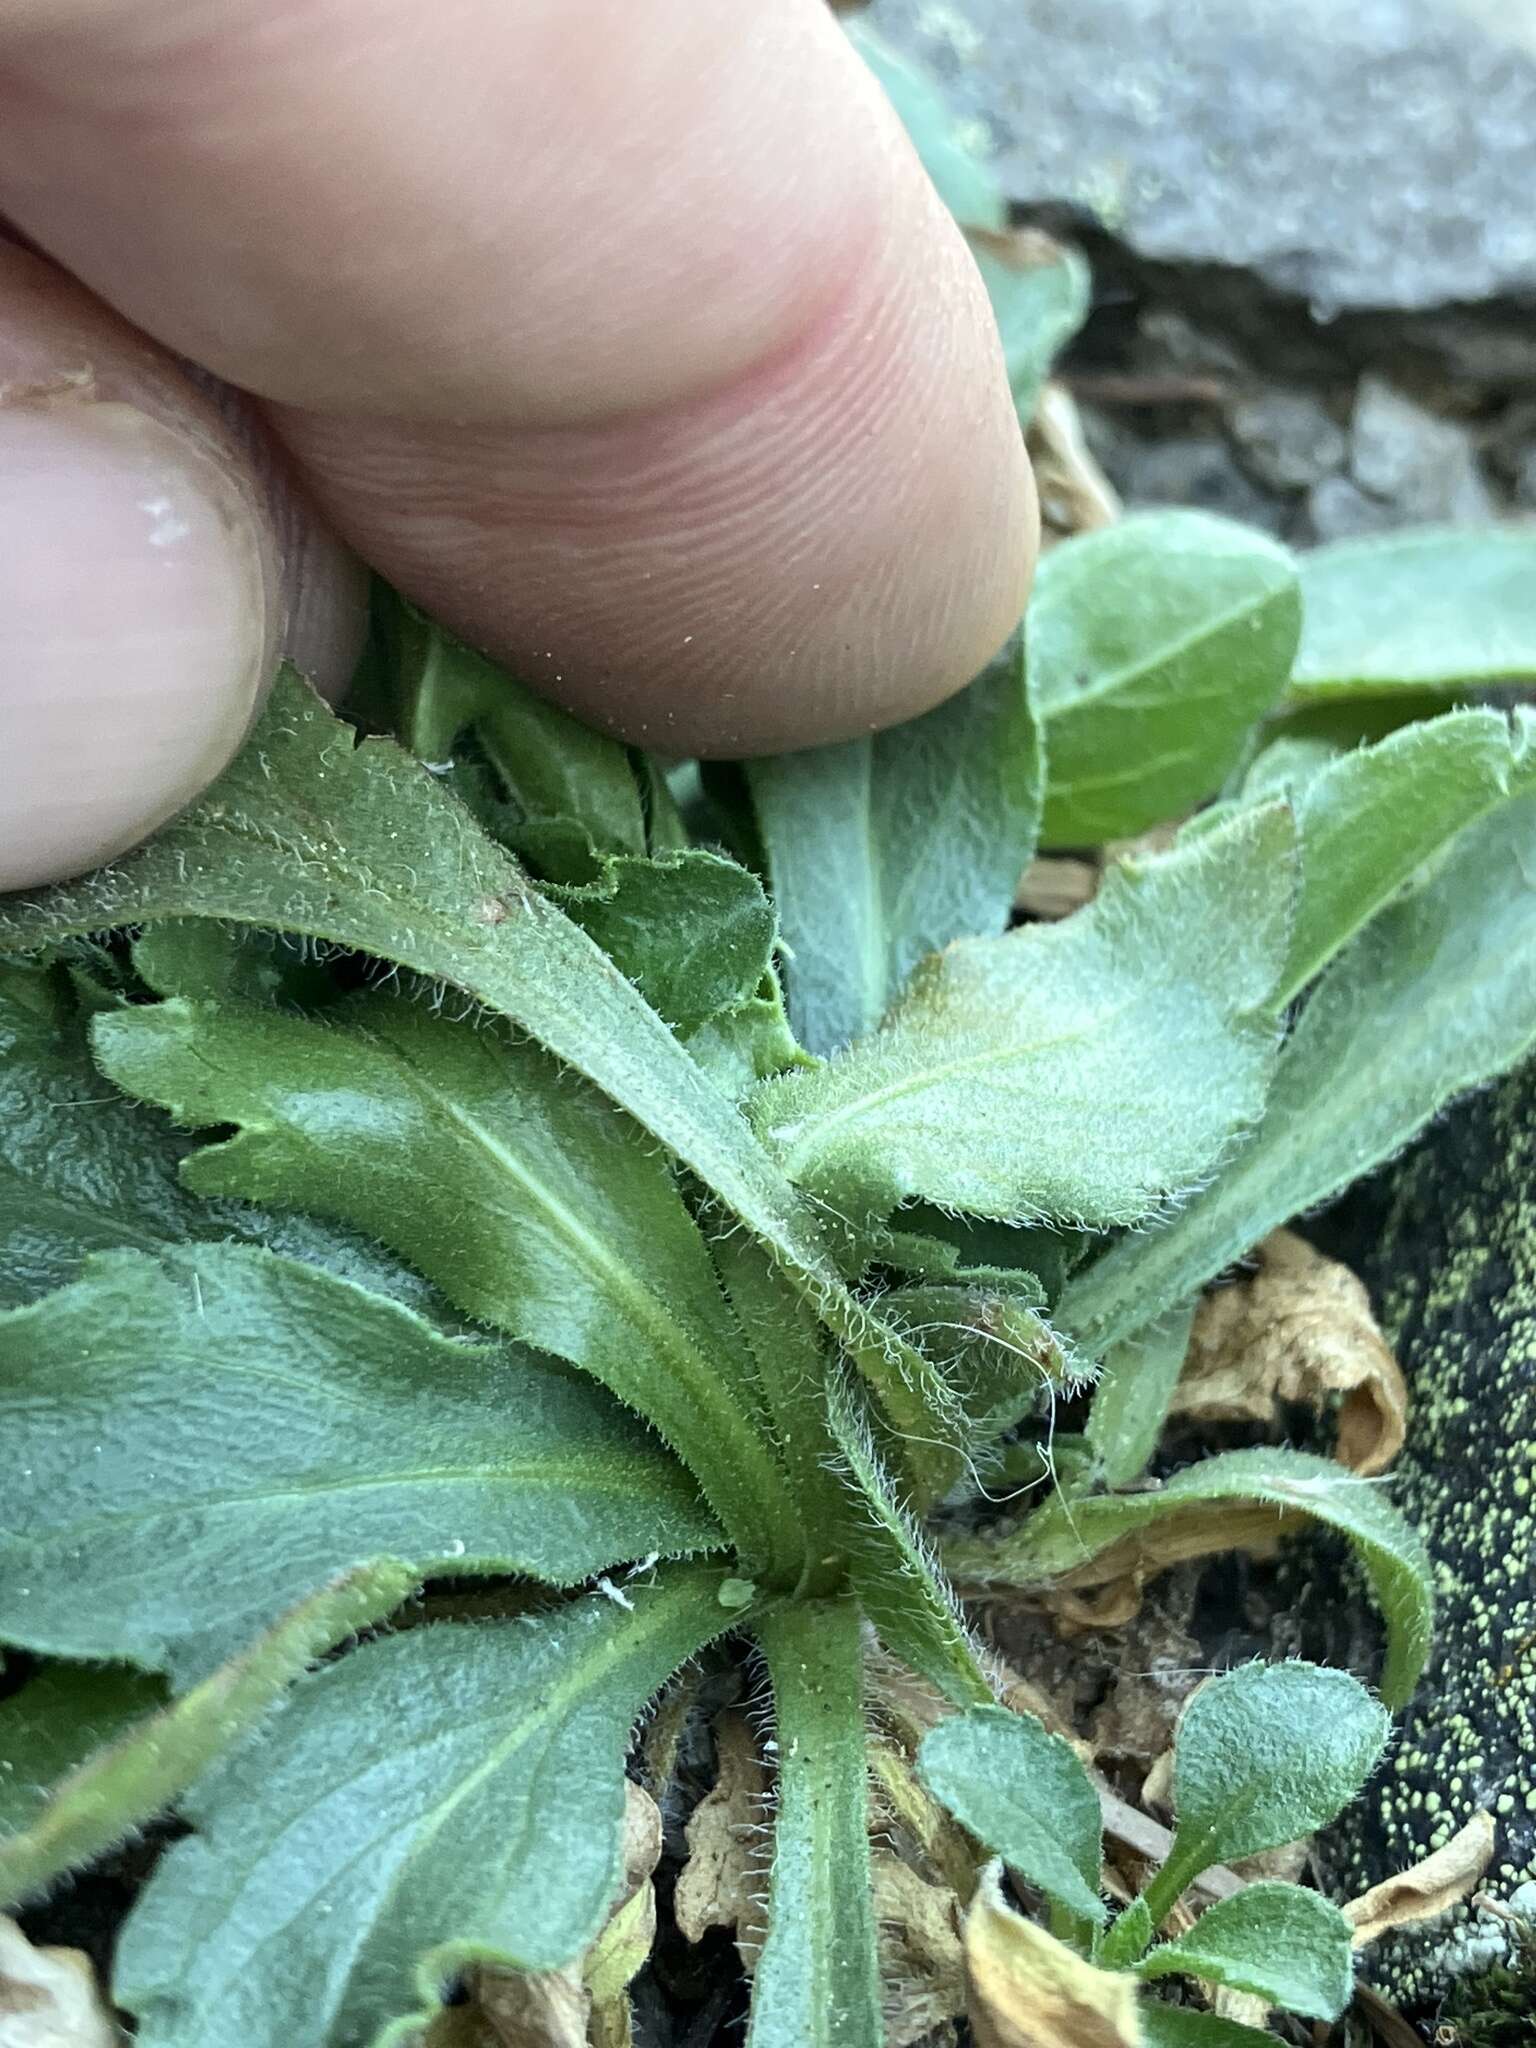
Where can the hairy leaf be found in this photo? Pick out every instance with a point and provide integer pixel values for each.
(533, 1205)
(1437, 994)
(1262, 1756)
(1096, 1067)
(553, 768)
(1000, 1358)
(312, 833)
(83, 1169)
(1022, 1793)
(1368, 820)
(817, 1983)
(153, 1763)
(1065, 1537)
(199, 1440)
(59, 1715)
(447, 1794)
(1130, 1402)
(1283, 1944)
(881, 850)
(1434, 608)
(693, 931)
(905, 1596)
(1153, 647)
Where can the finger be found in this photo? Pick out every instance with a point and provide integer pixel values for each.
(630, 339)
(141, 598)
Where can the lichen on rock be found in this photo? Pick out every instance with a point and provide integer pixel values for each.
(1447, 1244)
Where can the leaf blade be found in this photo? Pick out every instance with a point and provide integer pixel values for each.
(817, 1981)
(1023, 1793)
(1147, 701)
(1276, 1941)
(259, 1427)
(379, 1833)
(1176, 956)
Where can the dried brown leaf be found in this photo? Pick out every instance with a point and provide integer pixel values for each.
(1297, 1330)
(922, 1971)
(48, 1997)
(1055, 885)
(1075, 494)
(722, 1882)
(1025, 1989)
(1430, 1888)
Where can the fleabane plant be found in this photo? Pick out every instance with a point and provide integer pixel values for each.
(471, 1245)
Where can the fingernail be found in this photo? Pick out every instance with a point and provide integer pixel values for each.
(137, 622)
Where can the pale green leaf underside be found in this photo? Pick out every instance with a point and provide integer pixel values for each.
(197, 1441)
(817, 1982)
(1289, 1946)
(1066, 1533)
(446, 1793)
(882, 850)
(1370, 819)
(1434, 608)
(1437, 994)
(1153, 647)
(965, 184)
(1096, 1068)
(1022, 1793)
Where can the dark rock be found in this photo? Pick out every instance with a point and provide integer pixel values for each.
(1287, 440)
(1446, 1240)
(1379, 155)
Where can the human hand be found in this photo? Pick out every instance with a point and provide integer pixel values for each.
(625, 335)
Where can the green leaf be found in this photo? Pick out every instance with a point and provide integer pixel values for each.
(1022, 1793)
(909, 1604)
(1066, 1534)
(53, 1723)
(881, 850)
(440, 1796)
(1097, 1067)
(1370, 819)
(1435, 608)
(532, 1205)
(817, 1982)
(1040, 295)
(693, 931)
(554, 769)
(151, 1765)
(999, 1357)
(199, 1440)
(310, 832)
(1289, 1946)
(748, 1044)
(1437, 994)
(1262, 1756)
(1179, 2026)
(1153, 646)
(209, 962)
(965, 184)
(85, 1170)
(1130, 1402)
(1128, 1939)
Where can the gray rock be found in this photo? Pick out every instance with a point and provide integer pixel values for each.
(1339, 510)
(1374, 155)
(1423, 466)
(1287, 440)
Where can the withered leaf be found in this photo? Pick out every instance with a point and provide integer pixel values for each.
(48, 1997)
(1297, 1330)
(1430, 1888)
(1025, 1989)
(922, 1974)
(725, 1877)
